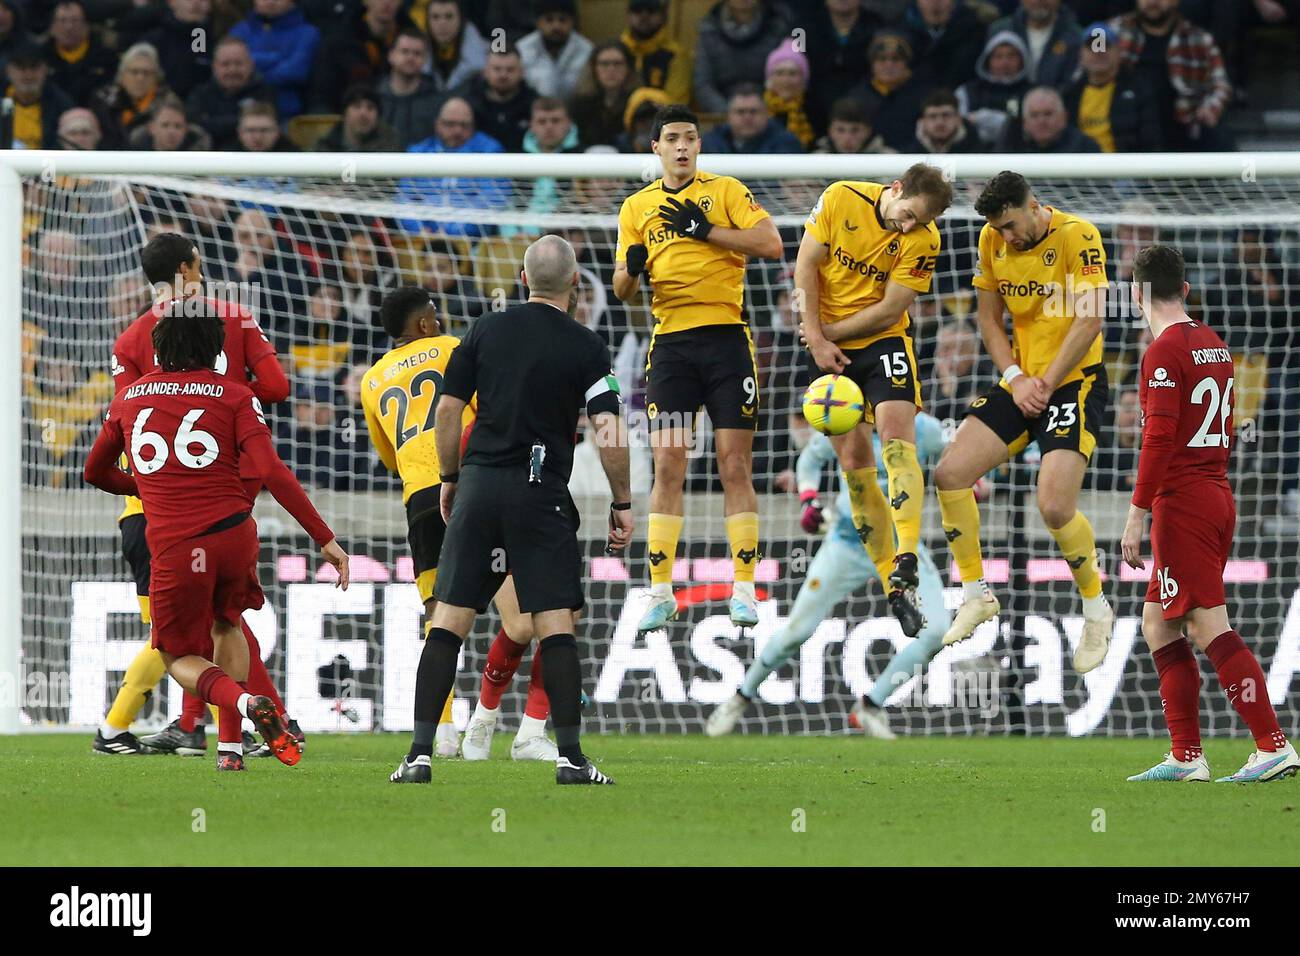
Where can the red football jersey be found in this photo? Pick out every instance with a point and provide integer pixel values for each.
(182, 432)
(1185, 391)
(245, 344)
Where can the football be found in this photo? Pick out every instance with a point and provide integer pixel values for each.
(833, 404)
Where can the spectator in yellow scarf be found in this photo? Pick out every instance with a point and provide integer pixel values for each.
(787, 87)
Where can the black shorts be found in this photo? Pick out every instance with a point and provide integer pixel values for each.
(500, 524)
(136, 551)
(1073, 418)
(885, 371)
(424, 532)
(710, 367)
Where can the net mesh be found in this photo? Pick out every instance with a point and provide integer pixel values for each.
(313, 258)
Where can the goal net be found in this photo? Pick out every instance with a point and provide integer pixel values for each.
(313, 255)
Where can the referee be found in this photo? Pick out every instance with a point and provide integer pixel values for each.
(534, 369)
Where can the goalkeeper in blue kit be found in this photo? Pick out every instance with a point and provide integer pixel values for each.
(840, 568)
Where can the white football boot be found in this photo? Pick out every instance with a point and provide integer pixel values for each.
(537, 747)
(446, 740)
(1095, 642)
(726, 715)
(973, 612)
(1263, 766)
(477, 743)
(1171, 770)
(872, 721)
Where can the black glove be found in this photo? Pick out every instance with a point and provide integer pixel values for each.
(686, 219)
(636, 258)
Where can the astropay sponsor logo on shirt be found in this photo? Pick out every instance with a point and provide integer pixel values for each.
(77, 909)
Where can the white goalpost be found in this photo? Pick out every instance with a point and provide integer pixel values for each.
(313, 241)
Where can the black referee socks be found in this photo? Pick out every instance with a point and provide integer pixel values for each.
(562, 678)
(434, 680)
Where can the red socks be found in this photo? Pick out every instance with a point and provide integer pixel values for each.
(216, 687)
(1243, 681)
(192, 707)
(259, 681)
(538, 705)
(503, 660)
(1180, 696)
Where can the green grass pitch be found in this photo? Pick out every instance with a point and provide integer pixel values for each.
(680, 800)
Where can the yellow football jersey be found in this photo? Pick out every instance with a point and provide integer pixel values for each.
(1039, 286)
(399, 394)
(865, 254)
(695, 283)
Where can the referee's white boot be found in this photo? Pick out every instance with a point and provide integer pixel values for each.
(1098, 621)
(477, 743)
(661, 609)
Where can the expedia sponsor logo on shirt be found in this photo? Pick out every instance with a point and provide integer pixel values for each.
(1031, 288)
(1160, 379)
(867, 269)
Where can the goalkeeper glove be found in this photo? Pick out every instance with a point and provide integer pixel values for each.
(636, 260)
(811, 519)
(686, 219)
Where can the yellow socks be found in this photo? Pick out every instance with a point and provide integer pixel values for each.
(1076, 541)
(141, 677)
(742, 534)
(871, 518)
(961, 526)
(661, 546)
(906, 491)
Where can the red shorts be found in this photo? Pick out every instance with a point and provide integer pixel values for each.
(1191, 540)
(199, 580)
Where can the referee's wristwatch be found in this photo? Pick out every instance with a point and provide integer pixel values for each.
(620, 506)
(449, 478)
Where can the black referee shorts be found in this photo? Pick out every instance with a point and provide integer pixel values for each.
(425, 531)
(501, 524)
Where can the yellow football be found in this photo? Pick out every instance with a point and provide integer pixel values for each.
(833, 404)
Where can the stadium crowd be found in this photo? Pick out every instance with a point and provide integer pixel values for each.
(829, 76)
